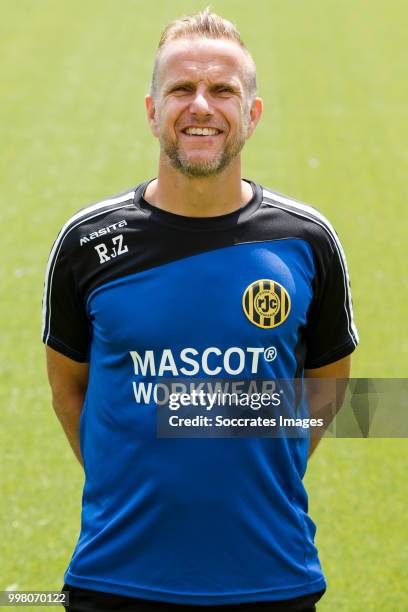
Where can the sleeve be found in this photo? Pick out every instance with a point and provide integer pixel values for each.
(66, 327)
(330, 332)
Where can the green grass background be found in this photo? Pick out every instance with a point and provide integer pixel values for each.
(334, 133)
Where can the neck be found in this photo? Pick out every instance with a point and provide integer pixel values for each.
(199, 197)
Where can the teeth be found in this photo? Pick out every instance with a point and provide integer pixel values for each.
(195, 131)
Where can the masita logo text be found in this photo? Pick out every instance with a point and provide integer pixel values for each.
(103, 231)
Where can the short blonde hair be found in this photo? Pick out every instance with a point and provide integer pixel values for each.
(205, 25)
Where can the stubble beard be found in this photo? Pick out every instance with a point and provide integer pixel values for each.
(202, 168)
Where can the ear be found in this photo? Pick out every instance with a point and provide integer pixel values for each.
(254, 115)
(152, 114)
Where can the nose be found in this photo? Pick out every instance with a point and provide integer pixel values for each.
(200, 105)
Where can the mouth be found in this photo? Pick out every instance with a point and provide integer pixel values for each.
(201, 131)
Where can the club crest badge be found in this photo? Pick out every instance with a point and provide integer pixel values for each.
(266, 303)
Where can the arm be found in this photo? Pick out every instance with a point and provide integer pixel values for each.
(68, 380)
(325, 400)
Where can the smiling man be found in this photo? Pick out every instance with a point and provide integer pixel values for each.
(202, 108)
(202, 274)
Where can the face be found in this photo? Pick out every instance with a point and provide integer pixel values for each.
(200, 112)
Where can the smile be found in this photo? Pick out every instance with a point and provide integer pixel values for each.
(196, 131)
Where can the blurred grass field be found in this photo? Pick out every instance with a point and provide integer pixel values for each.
(334, 133)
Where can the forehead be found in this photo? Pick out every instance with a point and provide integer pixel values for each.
(201, 58)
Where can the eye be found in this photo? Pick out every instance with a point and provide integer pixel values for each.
(223, 89)
(181, 89)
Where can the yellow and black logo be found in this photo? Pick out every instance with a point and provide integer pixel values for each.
(266, 303)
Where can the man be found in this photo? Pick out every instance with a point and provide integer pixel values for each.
(196, 273)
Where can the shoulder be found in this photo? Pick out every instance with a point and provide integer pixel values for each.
(307, 221)
(91, 218)
(304, 216)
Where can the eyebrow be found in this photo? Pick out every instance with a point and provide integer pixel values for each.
(213, 87)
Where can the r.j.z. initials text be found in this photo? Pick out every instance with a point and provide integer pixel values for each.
(107, 252)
